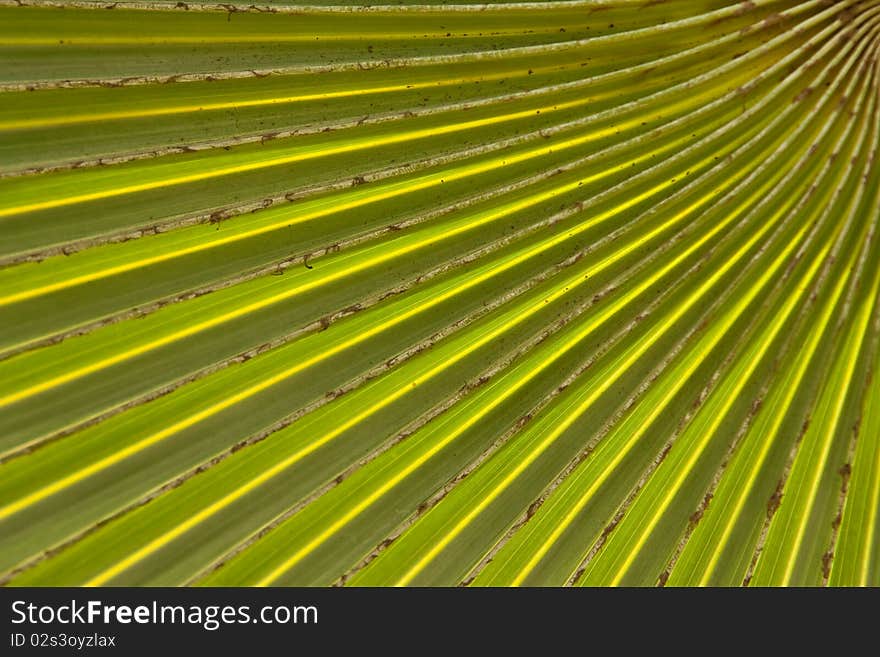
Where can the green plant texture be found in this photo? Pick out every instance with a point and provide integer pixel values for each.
(580, 292)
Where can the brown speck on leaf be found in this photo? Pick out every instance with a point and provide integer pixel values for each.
(847, 15)
(306, 261)
(775, 499)
(523, 420)
(606, 531)
(745, 7)
(826, 563)
(533, 508)
(803, 94)
(697, 515)
(772, 19)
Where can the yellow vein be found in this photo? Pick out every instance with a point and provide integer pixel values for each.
(43, 122)
(299, 156)
(311, 38)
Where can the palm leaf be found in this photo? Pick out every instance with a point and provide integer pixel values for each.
(508, 294)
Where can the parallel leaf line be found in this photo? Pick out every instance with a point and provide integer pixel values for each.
(461, 426)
